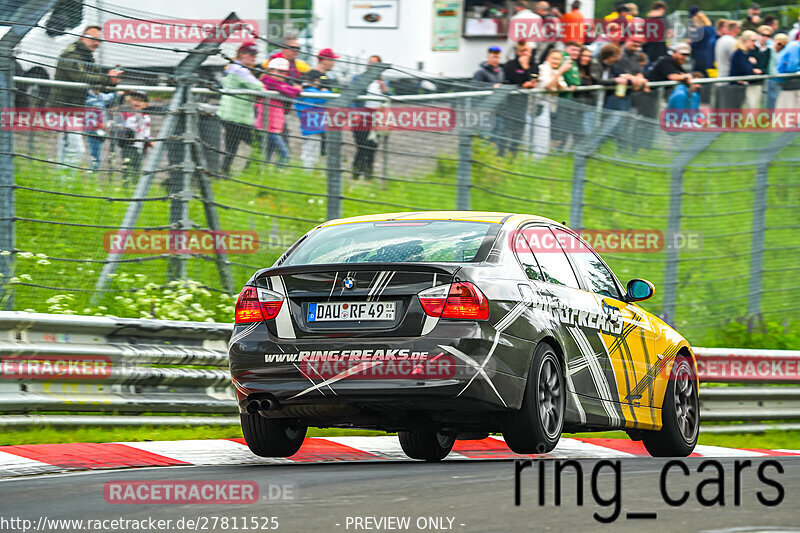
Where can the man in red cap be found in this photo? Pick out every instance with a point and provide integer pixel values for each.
(326, 62)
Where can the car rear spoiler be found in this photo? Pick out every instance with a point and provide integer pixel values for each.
(436, 268)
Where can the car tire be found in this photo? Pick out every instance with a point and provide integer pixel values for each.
(272, 437)
(536, 427)
(429, 446)
(680, 415)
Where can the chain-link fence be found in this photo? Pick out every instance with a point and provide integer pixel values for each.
(254, 168)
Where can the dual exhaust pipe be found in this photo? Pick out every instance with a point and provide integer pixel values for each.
(262, 405)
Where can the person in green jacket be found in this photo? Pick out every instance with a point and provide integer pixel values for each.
(76, 64)
(566, 118)
(237, 110)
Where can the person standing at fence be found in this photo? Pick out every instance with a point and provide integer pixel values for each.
(521, 72)
(135, 138)
(551, 78)
(566, 120)
(76, 64)
(574, 28)
(794, 33)
(490, 72)
(311, 112)
(236, 110)
(602, 66)
(289, 51)
(365, 136)
(670, 67)
(656, 49)
(703, 37)
(724, 48)
(685, 100)
(789, 63)
(774, 85)
(763, 52)
(753, 19)
(588, 98)
(743, 64)
(274, 111)
(97, 99)
(520, 10)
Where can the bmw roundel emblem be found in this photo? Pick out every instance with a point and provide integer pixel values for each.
(349, 282)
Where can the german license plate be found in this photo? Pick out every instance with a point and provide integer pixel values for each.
(332, 311)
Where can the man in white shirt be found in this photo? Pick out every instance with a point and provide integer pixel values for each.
(521, 11)
(724, 48)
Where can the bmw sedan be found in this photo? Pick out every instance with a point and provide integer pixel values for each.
(448, 325)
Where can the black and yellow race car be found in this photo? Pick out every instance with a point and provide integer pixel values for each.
(446, 325)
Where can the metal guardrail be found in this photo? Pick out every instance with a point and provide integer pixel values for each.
(159, 372)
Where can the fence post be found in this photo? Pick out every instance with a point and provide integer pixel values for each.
(674, 219)
(7, 208)
(759, 219)
(179, 203)
(579, 162)
(334, 138)
(464, 172)
(21, 21)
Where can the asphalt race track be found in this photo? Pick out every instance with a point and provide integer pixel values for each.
(477, 495)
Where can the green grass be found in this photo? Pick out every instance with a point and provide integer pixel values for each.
(57, 434)
(51, 435)
(717, 204)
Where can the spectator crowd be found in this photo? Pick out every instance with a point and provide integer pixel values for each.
(628, 62)
(245, 117)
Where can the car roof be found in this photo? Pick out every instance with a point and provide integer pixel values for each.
(467, 216)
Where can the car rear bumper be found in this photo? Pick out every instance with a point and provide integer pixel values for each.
(458, 366)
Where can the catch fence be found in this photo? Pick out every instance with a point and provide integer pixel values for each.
(726, 204)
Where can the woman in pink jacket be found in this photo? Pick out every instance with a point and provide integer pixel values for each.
(275, 80)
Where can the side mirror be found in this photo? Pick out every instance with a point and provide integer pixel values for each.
(639, 290)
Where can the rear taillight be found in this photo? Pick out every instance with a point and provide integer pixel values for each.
(433, 300)
(255, 305)
(460, 300)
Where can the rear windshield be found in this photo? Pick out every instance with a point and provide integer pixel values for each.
(394, 242)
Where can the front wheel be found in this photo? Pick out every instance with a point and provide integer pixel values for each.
(429, 446)
(537, 426)
(272, 437)
(680, 415)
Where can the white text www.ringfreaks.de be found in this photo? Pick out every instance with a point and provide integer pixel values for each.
(199, 523)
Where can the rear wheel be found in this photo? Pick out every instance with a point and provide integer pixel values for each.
(680, 415)
(537, 426)
(272, 437)
(429, 446)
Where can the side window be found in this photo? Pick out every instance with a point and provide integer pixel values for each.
(597, 276)
(526, 257)
(548, 252)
